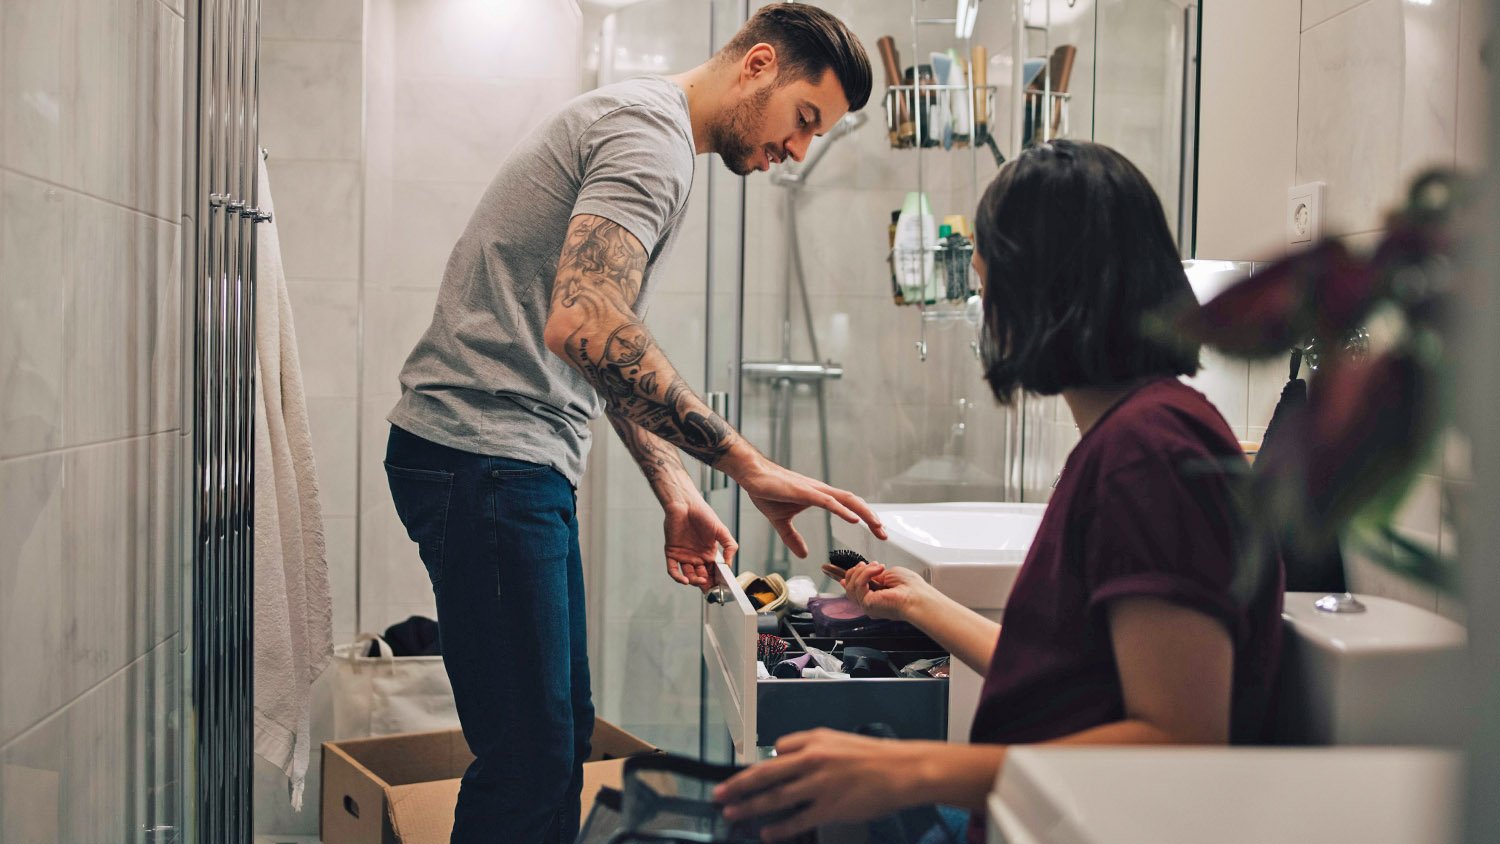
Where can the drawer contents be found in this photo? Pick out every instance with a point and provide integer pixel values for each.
(839, 616)
(766, 594)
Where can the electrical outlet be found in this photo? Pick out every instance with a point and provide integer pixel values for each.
(1304, 213)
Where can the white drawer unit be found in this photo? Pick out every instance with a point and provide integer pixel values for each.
(970, 551)
(758, 712)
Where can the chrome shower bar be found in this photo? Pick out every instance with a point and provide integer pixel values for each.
(225, 171)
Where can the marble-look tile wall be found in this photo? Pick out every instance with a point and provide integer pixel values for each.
(312, 124)
(385, 120)
(92, 433)
(450, 87)
(1361, 95)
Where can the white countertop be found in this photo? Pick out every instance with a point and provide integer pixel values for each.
(1342, 795)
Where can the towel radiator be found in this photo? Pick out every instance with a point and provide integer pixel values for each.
(220, 186)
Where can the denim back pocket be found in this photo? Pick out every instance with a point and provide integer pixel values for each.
(422, 498)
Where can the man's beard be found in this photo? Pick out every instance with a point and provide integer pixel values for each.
(728, 135)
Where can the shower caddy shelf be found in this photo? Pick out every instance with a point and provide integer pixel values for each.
(914, 96)
(1048, 108)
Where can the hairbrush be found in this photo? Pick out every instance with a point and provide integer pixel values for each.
(840, 560)
(846, 559)
(769, 649)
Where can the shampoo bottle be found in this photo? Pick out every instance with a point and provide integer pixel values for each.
(916, 237)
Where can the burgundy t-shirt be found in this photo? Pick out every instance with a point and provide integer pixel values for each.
(1142, 508)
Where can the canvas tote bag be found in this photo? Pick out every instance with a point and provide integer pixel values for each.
(386, 694)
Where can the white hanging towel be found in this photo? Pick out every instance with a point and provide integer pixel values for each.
(293, 615)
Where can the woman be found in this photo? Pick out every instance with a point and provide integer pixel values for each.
(1128, 623)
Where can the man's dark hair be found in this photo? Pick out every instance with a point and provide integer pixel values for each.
(808, 41)
(1078, 258)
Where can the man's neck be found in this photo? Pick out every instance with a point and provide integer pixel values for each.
(706, 87)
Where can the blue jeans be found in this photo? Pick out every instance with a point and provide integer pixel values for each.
(499, 538)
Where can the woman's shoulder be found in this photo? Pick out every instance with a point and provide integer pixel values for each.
(1165, 421)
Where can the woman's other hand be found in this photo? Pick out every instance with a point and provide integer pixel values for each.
(831, 776)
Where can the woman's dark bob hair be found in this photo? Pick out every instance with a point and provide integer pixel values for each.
(1077, 259)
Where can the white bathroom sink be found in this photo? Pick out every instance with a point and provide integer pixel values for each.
(959, 529)
(970, 550)
(1343, 795)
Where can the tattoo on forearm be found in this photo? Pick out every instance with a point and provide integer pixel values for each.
(600, 273)
(657, 459)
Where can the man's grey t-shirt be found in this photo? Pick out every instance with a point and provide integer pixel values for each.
(481, 379)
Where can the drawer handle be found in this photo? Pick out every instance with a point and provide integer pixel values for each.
(717, 595)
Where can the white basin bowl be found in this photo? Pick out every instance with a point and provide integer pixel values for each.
(970, 550)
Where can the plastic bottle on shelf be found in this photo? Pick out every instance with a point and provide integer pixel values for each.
(916, 239)
(958, 251)
(899, 297)
(958, 99)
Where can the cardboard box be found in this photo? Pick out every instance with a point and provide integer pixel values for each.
(401, 789)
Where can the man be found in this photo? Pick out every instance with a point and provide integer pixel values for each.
(538, 323)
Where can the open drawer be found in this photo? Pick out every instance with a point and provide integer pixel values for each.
(758, 712)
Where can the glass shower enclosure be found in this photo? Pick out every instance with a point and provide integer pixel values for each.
(778, 303)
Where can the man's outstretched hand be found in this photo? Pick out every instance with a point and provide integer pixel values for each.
(781, 494)
(694, 535)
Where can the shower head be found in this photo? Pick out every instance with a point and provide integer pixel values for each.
(848, 123)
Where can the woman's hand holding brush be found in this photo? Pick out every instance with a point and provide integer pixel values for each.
(885, 592)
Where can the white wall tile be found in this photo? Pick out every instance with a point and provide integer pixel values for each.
(127, 143)
(1266, 381)
(311, 98)
(107, 762)
(37, 106)
(340, 20)
(461, 130)
(122, 326)
(341, 533)
(1350, 122)
(335, 450)
(87, 602)
(479, 39)
(1247, 145)
(1473, 91)
(317, 216)
(32, 284)
(1225, 382)
(326, 315)
(1429, 119)
(648, 684)
(394, 321)
(428, 219)
(1315, 12)
(677, 322)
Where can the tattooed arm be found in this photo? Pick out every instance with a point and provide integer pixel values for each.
(592, 325)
